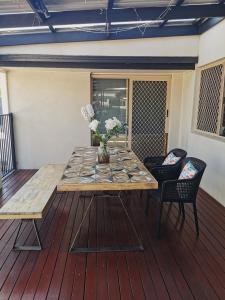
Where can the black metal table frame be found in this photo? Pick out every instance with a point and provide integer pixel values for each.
(28, 247)
(138, 247)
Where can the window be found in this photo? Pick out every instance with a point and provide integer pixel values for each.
(211, 100)
(110, 99)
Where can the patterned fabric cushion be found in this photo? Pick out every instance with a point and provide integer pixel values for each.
(171, 159)
(188, 171)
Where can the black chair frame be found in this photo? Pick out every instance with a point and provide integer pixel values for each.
(165, 172)
(180, 191)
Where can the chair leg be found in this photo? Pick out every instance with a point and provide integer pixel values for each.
(183, 210)
(179, 208)
(147, 206)
(196, 218)
(159, 219)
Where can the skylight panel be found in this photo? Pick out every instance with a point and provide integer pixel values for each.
(11, 7)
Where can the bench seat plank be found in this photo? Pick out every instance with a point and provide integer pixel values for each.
(31, 200)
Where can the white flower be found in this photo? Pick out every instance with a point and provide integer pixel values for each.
(110, 124)
(94, 125)
(84, 113)
(90, 110)
(118, 123)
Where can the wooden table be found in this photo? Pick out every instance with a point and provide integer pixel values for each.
(124, 172)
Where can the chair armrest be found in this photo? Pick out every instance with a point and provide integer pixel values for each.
(169, 190)
(150, 162)
(167, 172)
(178, 190)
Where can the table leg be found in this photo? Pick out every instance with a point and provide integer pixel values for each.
(139, 247)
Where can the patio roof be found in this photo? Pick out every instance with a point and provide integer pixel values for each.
(51, 21)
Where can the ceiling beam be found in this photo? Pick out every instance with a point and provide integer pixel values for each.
(178, 3)
(78, 36)
(41, 12)
(208, 24)
(109, 15)
(117, 15)
(198, 22)
(99, 62)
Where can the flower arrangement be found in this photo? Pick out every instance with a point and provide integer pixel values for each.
(113, 128)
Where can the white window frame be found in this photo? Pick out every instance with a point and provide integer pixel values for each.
(196, 101)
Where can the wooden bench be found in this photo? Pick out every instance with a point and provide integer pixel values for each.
(31, 201)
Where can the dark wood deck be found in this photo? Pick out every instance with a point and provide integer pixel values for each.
(178, 266)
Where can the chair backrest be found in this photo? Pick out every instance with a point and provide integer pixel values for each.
(189, 187)
(179, 153)
(199, 165)
(176, 168)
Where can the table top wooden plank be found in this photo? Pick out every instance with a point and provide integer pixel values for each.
(124, 172)
(31, 200)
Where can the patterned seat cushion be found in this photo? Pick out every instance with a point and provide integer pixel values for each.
(188, 171)
(171, 159)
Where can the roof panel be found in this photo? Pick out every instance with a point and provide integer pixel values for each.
(180, 22)
(158, 3)
(63, 5)
(141, 3)
(23, 30)
(17, 6)
(198, 2)
(124, 23)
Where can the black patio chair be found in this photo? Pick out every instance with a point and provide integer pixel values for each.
(165, 172)
(179, 191)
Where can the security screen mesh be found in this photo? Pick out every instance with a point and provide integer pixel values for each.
(209, 99)
(148, 118)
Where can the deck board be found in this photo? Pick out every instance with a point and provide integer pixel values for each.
(178, 266)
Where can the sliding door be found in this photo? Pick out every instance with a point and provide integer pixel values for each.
(149, 117)
(141, 102)
(110, 99)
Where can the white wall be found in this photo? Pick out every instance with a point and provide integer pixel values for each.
(46, 106)
(167, 46)
(4, 91)
(211, 48)
(175, 110)
(212, 44)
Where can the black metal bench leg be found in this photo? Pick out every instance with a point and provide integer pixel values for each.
(159, 219)
(196, 218)
(26, 247)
